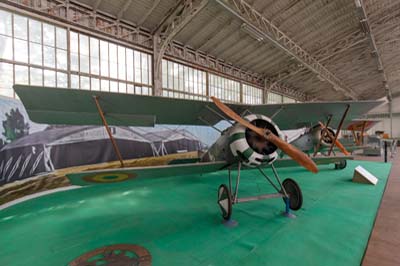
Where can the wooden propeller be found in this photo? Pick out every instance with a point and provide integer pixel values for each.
(297, 155)
(337, 142)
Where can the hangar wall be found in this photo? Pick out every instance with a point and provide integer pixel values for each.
(382, 112)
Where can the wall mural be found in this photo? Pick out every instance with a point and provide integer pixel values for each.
(28, 149)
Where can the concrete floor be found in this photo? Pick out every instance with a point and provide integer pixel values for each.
(384, 243)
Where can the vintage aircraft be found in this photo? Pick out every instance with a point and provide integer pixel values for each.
(358, 128)
(253, 139)
(319, 139)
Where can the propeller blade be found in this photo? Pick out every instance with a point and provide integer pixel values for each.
(297, 155)
(337, 142)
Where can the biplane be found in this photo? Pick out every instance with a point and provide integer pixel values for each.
(253, 139)
(358, 127)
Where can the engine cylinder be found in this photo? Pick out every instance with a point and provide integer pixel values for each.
(326, 140)
(251, 149)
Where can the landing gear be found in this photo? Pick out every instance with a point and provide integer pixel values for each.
(340, 165)
(294, 192)
(225, 201)
(288, 190)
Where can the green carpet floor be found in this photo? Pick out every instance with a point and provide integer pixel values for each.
(178, 221)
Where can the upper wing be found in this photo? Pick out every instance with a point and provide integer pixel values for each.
(77, 107)
(295, 115)
(362, 124)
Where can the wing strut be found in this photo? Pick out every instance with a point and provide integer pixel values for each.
(362, 133)
(320, 140)
(338, 129)
(115, 146)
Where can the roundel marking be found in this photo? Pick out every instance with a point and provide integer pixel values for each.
(111, 177)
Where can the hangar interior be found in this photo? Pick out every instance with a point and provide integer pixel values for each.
(81, 80)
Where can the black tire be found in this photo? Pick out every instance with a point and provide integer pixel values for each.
(225, 201)
(341, 165)
(294, 192)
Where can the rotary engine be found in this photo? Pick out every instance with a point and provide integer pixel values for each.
(322, 135)
(251, 149)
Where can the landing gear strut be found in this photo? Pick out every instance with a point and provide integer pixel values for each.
(288, 190)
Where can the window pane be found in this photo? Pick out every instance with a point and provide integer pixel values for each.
(252, 95)
(113, 86)
(104, 58)
(121, 63)
(105, 85)
(36, 76)
(223, 88)
(164, 74)
(145, 90)
(48, 35)
(149, 70)
(21, 75)
(62, 59)
(85, 83)
(95, 84)
(35, 57)
(171, 75)
(94, 56)
(145, 69)
(20, 27)
(84, 53)
(122, 87)
(49, 78)
(74, 81)
(61, 35)
(130, 88)
(6, 79)
(49, 56)
(5, 23)
(62, 80)
(84, 63)
(113, 61)
(21, 50)
(35, 31)
(129, 64)
(138, 73)
(74, 51)
(6, 51)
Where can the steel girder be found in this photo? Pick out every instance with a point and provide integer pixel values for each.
(264, 27)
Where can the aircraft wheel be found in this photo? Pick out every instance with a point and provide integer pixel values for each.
(340, 165)
(225, 201)
(294, 192)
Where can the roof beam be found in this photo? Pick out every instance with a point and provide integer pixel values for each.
(366, 28)
(173, 23)
(323, 54)
(265, 28)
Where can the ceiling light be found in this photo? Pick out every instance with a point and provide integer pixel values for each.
(252, 32)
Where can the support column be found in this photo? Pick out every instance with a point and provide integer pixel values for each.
(391, 117)
(173, 23)
(157, 66)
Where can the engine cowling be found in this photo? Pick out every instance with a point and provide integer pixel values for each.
(251, 149)
(326, 140)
